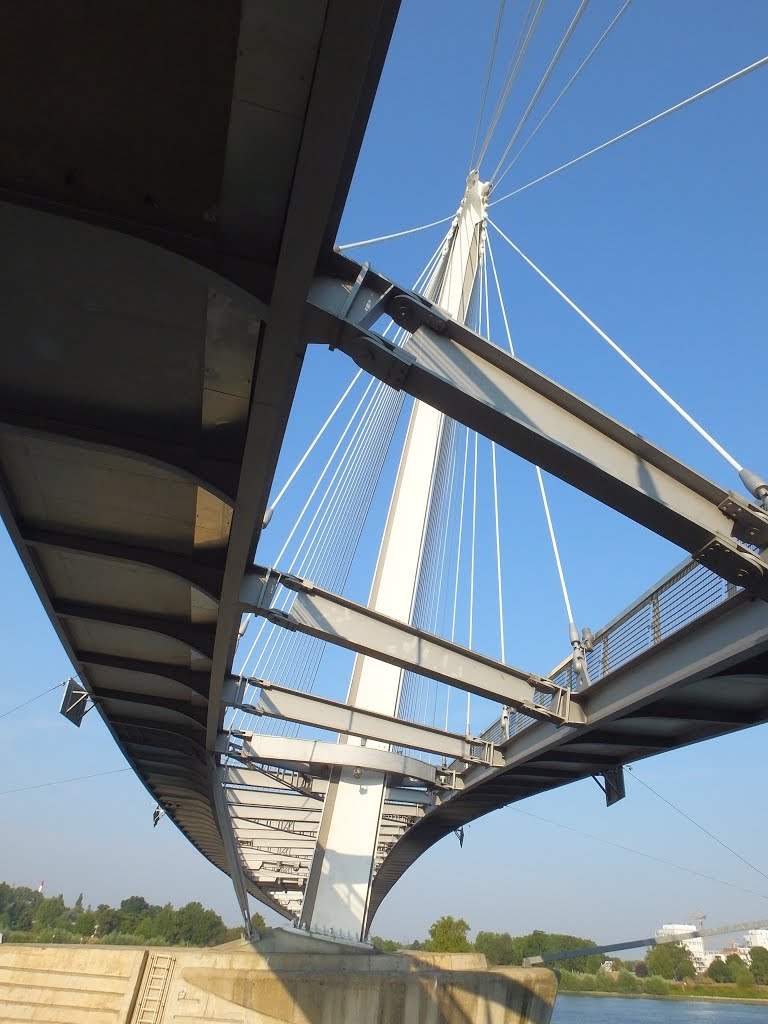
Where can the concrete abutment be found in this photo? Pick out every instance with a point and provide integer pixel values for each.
(243, 983)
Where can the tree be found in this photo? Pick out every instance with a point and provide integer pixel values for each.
(641, 969)
(538, 942)
(52, 913)
(671, 960)
(627, 982)
(449, 935)
(197, 926)
(759, 964)
(740, 973)
(85, 924)
(719, 972)
(497, 947)
(134, 905)
(19, 906)
(107, 920)
(385, 945)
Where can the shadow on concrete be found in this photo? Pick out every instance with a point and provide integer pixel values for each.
(291, 976)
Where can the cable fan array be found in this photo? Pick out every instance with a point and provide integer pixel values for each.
(463, 541)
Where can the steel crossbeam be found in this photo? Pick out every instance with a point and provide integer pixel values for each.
(313, 755)
(340, 621)
(453, 369)
(308, 709)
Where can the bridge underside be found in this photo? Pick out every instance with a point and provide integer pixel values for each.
(706, 679)
(168, 176)
(168, 202)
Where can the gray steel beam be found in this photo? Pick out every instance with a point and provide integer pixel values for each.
(296, 753)
(243, 780)
(308, 709)
(455, 370)
(402, 795)
(197, 712)
(197, 637)
(242, 804)
(196, 681)
(234, 861)
(695, 713)
(258, 815)
(215, 475)
(630, 740)
(202, 575)
(344, 74)
(337, 620)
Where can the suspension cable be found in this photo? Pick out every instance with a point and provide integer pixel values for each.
(693, 821)
(555, 548)
(565, 88)
(517, 59)
(542, 488)
(638, 369)
(498, 551)
(318, 435)
(631, 131)
(30, 701)
(545, 78)
(395, 234)
(499, 16)
(472, 565)
(639, 853)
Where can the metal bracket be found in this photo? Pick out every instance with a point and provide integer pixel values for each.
(751, 522)
(612, 785)
(380, 358)
(411, 311)
(735, 564)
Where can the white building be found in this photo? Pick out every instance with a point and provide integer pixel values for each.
(686, 935)
(756, 937)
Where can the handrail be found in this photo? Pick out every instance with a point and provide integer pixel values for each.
(681, 597)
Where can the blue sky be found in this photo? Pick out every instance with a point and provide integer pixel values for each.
(661, 240)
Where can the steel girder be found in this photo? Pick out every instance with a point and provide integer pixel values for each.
(455, 370)
(331, 617)
(300, 754)
(308, 709)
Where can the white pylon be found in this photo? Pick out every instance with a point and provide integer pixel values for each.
(338, 886)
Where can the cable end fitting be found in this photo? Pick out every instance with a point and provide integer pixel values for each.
(755, 485)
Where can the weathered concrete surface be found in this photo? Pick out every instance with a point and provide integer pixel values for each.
(243, 985)
(69, 984)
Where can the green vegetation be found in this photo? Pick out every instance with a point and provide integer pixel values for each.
(759, 967)
(671, 960)
(449, 935)
(28, 916)
(666, 971)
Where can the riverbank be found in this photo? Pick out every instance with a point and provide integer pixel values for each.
(625, 984)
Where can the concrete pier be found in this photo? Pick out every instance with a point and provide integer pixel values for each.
(243, 984)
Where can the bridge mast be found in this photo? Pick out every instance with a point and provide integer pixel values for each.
(336, 898)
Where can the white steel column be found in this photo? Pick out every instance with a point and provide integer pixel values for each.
(339, 880)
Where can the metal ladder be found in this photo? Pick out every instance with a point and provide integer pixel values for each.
(155, 991)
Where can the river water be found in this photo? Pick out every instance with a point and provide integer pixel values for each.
(571, 1009)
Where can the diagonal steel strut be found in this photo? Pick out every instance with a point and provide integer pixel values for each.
(366, 631)
(455, 370)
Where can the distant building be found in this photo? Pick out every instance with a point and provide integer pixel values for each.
(757, 937)
(686, 935)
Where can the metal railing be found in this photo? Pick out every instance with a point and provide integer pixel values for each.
(687, 593)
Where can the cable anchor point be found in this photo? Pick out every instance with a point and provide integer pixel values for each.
(582, 646)
(755, 485)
